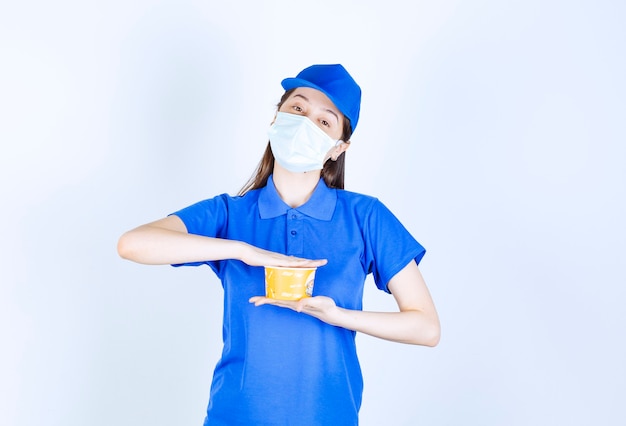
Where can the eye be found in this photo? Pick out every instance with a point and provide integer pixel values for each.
(297, 108)
(325, 123)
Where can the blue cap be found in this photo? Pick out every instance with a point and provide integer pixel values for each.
(335, 82)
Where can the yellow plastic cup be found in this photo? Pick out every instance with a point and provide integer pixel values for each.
(289, 283)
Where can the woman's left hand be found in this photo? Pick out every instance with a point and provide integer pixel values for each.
(320, 307)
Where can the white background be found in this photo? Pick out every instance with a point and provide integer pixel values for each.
(495, 130)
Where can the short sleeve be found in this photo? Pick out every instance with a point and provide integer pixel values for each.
(389, 245)
(207, 218)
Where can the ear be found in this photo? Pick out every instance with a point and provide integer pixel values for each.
(339, 149)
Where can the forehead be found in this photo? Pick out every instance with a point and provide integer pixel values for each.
(315, 98)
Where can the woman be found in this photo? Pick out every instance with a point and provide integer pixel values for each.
(295, 362)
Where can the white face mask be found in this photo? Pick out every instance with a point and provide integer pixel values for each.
(298, 144)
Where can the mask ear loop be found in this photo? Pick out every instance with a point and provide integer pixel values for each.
(339, 142)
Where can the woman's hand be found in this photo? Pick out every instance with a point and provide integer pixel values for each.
(415, 323)
(320, 307)
(255, 256)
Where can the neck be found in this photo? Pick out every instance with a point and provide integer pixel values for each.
(295, 189)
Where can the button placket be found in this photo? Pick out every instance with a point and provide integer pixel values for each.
(295, 242)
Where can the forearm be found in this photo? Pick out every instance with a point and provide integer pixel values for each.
(416, 321)
(412, 327)
(152, 245)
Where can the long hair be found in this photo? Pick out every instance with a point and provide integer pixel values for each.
(333, 172)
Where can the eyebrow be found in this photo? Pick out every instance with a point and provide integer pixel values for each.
(298, 95)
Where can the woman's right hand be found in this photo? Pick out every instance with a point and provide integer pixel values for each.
(255, 256)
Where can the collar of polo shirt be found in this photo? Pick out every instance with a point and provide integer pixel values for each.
(320, 206)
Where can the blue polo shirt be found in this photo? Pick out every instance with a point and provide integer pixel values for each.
(280, 367)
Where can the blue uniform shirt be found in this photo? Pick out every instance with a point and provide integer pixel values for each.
(280, 367)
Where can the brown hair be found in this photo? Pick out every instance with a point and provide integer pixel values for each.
(333, 171)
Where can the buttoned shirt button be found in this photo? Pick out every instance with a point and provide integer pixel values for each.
(293, 233)
(293, 216)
